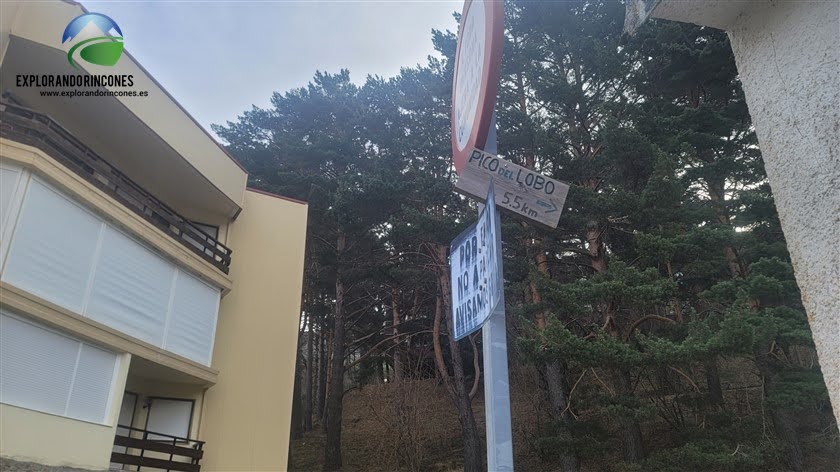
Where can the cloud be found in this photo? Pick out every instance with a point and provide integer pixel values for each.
(219, 58)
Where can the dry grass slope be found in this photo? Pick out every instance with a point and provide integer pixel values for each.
(413, 426)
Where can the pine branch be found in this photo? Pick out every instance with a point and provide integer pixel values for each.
(642, 320)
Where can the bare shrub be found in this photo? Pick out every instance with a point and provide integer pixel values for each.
(397, 409)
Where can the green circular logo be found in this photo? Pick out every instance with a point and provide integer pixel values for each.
(105, 46)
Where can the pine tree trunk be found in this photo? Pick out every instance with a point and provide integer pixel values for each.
(322, 373)
(398, 372)
(307, 379)
(557, 379)
(736, 265)
(596, 247)
(297, 415)
(713, 382)
(631, 434)
(675, 302)
(438, 351)
(737, 269)
(782, 418)
(332, 444)
(785, 427)
(327, 377)
(558, 390)
(473, 451)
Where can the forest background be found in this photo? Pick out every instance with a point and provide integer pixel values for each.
(658, 327)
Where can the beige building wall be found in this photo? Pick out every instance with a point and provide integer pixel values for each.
(247, 414)
(43, 438)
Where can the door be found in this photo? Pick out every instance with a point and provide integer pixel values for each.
(171, 417)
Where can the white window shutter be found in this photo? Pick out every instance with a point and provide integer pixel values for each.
(73, 258)
(53, 247)
(192, 319)
(43, 370)
(131, 288)
(8, 184)
(36, 366)
(92, 384)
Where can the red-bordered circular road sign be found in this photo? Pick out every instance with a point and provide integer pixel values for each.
(476, 82)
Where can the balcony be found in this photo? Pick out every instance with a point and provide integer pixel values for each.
(142, 448)
(29, 127)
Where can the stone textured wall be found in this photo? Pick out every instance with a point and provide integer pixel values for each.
(788, 60)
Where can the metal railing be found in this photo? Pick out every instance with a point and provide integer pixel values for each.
(39, 130)
(184, 453)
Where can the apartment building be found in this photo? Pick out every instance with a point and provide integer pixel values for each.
(149, 300)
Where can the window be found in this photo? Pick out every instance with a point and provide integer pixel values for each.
(60, 251)
(131, 288)
(209, 229)
(9, 177)
(43, 370)
(170, 416)
(53, 247)
(192, 319)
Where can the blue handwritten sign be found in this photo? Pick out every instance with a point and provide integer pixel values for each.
(475, 262)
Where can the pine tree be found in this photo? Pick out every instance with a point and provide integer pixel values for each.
(309, 145)
(668, 264)
(690, 76)
(416, 138)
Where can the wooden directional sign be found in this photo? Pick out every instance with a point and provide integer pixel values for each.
(522, 191)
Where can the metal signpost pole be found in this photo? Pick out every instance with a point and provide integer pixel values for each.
(497, 393)
(475, 83)
(496, 383)
(478, 295)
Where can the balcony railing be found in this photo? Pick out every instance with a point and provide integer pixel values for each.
(143, 448)
(36, 129)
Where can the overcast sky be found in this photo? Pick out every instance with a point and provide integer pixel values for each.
(220, 57)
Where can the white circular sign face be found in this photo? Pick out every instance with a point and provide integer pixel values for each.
(470, 73)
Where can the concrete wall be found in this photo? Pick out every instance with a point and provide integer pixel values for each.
(247, 414)
(43, 438)
(788, 60)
